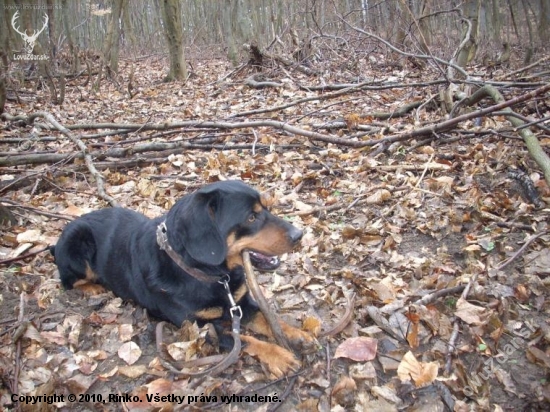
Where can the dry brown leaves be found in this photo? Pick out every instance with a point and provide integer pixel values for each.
(391, 229)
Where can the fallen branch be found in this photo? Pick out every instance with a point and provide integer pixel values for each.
(162, 151)
(36, 210)
(23, 257)
(424, 131)
(449, 124)
(432, 297)
(256, 82)
(531, 142)
(17, 340)
(84, 150)
(364, 86)
(364, 198)
(290, 63)
(521, 70)
(411, 55)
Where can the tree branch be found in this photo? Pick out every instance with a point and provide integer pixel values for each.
(84, 150)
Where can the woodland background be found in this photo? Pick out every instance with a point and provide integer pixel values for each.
(409, 139)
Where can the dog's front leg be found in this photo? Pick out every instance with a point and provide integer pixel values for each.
(298, 339)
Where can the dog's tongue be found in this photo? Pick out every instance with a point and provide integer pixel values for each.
(264, 262)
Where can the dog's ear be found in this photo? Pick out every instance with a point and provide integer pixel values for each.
(191, 228)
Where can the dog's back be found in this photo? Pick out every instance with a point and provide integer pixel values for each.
(110, 232)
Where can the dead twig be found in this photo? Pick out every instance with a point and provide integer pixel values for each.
(451, 347)
(87, 158)
(432, 297)
(221, 362)
(35, 210)
(17, 339)
(284, 395)
(521, 250)
(346, 319)
(522, 69)
(456, 328)
(23, 257)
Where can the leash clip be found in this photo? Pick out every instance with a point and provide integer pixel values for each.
(162, 239)
(235, 310)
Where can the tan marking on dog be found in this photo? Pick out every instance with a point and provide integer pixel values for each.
(232, 238)
(240, 292)
(257, 208)
(90, 274)
(215, 312)
(271, 240)
(89, 289)
(88, 285)
(278, 360)
(298, 338)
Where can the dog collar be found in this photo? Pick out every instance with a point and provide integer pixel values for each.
(162, 241)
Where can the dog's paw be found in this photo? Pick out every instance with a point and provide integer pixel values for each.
(299, 340)
(278, 360)
(89, 289)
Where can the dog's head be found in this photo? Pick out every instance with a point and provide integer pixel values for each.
(218, 222)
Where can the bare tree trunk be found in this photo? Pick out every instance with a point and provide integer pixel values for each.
(513, 17)
(110, 51)
(496, 21)
(544, 21)
(171, 17)
(4, 61)
(471, 10)
(403, 17)
(228, 13)
(129, 33)
(52, 27)
(75, 62)
(425, 25)
(529, 50)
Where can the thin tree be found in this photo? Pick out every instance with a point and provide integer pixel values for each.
(112, 38)
(4, 61)
(173, 30)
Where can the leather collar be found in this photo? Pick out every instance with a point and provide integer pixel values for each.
(162, 240)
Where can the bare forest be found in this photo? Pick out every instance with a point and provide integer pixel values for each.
(408, 139)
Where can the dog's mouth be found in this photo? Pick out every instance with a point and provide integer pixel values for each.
(264, 262)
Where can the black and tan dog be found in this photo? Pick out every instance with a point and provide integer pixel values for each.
(117, 249)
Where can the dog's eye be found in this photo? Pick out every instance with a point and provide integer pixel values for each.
(252, 218)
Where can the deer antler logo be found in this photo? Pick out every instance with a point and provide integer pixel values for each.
(29, 40)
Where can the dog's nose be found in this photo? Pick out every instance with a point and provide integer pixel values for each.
(295, 234)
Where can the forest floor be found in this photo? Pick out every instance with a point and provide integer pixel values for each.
(390, 224)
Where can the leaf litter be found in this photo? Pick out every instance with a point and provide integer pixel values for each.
(393, 229)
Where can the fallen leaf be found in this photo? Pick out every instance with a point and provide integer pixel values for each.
(29, 236)
(378, 197)
(344, 392)
(469, 313)
(358, 349)
(133, 372)
(73, 210)
(422, 373)
(22, 248)
(129, 352)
